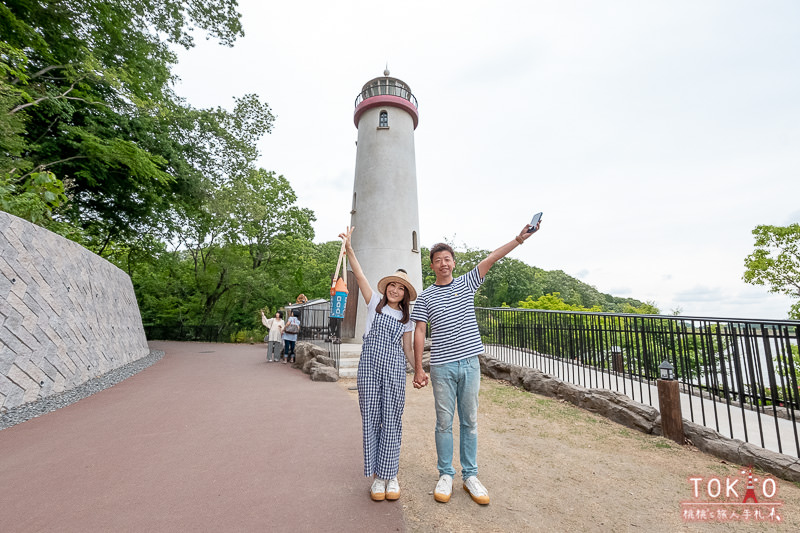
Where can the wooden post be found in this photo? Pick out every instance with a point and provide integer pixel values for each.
(669, 403)
(617, 362)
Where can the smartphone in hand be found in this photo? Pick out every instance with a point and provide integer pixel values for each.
(535, 222)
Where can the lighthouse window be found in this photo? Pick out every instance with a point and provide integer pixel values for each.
(383, 122)
(414, 246)
(353, 210)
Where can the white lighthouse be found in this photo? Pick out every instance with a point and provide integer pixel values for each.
(384, 210)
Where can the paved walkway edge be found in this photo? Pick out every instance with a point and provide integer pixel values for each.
(25, 412)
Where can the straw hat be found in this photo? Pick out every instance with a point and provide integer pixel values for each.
(399, 277)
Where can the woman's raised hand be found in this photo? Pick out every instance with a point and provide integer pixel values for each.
(346, 236)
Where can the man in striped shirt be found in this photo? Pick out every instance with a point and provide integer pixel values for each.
(449, 306)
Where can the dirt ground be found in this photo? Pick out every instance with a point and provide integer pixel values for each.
(550, 466)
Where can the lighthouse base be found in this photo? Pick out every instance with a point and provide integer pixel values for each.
(348, 360)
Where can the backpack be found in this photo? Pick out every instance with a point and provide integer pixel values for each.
(292, 328)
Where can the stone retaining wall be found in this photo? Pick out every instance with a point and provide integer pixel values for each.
(66, 314)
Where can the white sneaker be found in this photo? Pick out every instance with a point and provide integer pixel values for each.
(476, 489)
(392, 489)
(378, 490)
(443, 489)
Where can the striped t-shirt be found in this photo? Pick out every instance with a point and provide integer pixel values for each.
(451, 311)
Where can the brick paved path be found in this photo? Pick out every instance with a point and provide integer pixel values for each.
(210, 438)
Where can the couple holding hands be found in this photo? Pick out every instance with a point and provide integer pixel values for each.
(394, 333)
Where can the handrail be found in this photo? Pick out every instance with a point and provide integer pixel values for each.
(386, 90)
(739, 364)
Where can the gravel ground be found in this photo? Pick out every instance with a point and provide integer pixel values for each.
(25, 412)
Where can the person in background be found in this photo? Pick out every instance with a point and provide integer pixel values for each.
(382, 373)
(275, 326)
(290, 331)
(301, 300)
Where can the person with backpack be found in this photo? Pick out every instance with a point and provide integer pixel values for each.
(290, 331)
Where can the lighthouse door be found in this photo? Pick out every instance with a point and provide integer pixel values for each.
(351, 308)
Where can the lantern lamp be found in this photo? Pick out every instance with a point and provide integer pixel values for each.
(667, 371)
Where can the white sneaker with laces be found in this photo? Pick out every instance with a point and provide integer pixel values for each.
(476, 489)
(378, 490)
(392, 489)
(443, 489)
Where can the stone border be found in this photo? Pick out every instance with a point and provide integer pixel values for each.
(621, 409)
(25, 412)
(315, 361)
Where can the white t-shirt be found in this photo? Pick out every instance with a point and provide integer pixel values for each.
(395, 313)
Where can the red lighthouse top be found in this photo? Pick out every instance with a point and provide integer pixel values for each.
(385, 91)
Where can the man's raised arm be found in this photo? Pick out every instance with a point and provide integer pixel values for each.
(486, 264)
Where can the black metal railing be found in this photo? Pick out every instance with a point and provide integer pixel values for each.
(184, 332)
(386, 89)
(734, 372)
(317, 327)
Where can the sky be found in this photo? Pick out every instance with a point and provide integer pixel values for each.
(655, 136)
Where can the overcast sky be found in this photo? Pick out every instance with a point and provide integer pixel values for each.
(654, 135)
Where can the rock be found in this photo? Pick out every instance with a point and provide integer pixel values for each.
(619, 408)
(325, 360)
(740, 452)
(305, 351)
(613, 405)
(710, 441)
(320, 372)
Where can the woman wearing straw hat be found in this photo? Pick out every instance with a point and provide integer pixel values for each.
(382, 373)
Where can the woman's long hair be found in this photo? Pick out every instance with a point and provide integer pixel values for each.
(405, 304)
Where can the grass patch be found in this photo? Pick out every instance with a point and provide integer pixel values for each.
(720, 469)
(521, 403)
(649, 442)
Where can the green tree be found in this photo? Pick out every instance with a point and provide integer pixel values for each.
(647, 308)
(553, 302)
(29, 195)
(510, 281)
(244, 231)
(91, 101)
(775, 262)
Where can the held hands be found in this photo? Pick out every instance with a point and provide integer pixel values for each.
(420, 380)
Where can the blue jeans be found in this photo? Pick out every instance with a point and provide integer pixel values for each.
(457, 384)
(288, 349)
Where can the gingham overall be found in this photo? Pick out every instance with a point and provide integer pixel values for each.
(382, 395)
